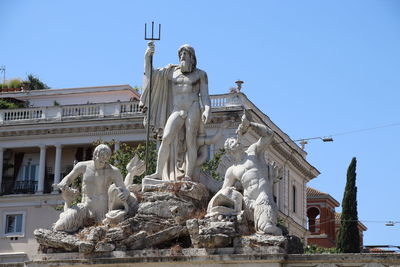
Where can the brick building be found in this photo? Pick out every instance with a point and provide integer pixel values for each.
(323, 220)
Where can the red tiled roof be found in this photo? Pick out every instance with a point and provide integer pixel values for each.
(314, 192)
(338, 216)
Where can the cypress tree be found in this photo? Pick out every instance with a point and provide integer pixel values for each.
(348, 240)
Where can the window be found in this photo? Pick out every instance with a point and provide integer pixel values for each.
(30, 172)
(14, 224)
(209, 154)
(294, 198)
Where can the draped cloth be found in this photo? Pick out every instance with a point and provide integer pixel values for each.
(161, 107)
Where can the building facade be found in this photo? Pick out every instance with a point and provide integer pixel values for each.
(40, 144)
(323, 220)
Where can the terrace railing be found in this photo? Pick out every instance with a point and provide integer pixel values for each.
(76, 112)
(18, 187)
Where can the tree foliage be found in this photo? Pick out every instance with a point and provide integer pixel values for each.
(349, 237)
(10, 104)
(31, 83)
(34, 83)
(211, 166)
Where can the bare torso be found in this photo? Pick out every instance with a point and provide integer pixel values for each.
(95, 184)
(251, 172)
(185, 89)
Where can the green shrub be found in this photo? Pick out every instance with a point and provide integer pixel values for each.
(314, 249)
(6, 104)
(14, 83)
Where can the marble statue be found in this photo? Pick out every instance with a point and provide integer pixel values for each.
(252, 171)
(105, 198)
(180, 106)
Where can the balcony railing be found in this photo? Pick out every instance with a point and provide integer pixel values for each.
(115, 109)
(18, 187)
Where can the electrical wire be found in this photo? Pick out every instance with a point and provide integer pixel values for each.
(363, 221)
(350, 132)
(367, 129)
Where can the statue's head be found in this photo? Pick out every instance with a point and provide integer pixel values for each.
(187, 58)
(102, 153)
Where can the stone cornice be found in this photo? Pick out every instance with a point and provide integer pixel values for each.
(293, 158)
(98, 126)
(106, 129)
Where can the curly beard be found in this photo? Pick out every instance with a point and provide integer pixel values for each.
(186, 66)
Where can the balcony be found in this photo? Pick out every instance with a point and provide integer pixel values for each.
(92, 111)
(18, 187)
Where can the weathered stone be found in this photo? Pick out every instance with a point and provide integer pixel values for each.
(160, 204)
(133, 239)
(120, 247)
(206, 234)
(193, 229)
(261, 240)
(104, 247)
(56, 239)
(215, 241)
(187, 190)
(165, 235)
(149, 223)
(118, 233)
(192, 190)
(218, 228)
(85, 247)
(96, 234)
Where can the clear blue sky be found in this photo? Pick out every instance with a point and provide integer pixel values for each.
(316, 68)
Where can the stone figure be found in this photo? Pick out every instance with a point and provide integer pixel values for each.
(180, 106)
(119, 207)
(251, 170)
(100, 200)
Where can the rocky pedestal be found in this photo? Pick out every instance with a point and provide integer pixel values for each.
(170, 215)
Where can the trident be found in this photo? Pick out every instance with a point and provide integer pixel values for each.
(152, 38)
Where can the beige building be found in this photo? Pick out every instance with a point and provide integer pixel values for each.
(39, 145)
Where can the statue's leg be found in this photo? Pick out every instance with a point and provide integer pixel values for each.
(265, 217)
(192, 129)
(72, 219)
(173, 125)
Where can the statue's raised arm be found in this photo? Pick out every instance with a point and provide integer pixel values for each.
(265, 133)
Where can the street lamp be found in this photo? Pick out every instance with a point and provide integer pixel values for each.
(304, 142)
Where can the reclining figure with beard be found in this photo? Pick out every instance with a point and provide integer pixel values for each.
(252, 171)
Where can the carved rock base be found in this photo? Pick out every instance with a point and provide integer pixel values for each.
(170, 215)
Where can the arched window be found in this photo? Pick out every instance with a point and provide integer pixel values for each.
(313, 219)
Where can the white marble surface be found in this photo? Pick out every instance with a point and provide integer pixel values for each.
(180, 106)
